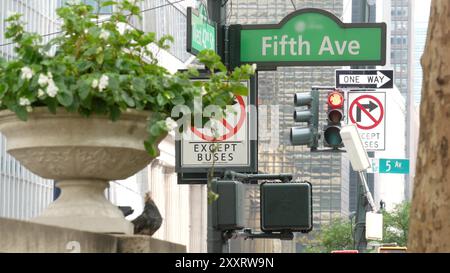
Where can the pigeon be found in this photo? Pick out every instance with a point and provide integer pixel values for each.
(150, 220)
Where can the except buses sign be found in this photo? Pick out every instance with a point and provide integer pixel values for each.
(309, 37)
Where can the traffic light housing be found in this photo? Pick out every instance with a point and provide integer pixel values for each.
(306, 135)
(335, 114)
(229, 207)
(286, 207)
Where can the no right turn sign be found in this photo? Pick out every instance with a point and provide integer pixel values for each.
(367, 110)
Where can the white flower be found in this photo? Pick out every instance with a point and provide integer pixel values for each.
(43, 80)
(213, 125)
(52, 89)
(170, 124)
(41, 93)
(51, 53)
(104, 34)
(203, 92)
(254, 67)
(24, 102)
(29, 109)
(27, 73)
(50, 75)
(103, 83)
(94, 83)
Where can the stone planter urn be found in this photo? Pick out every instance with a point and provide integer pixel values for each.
(82, 155)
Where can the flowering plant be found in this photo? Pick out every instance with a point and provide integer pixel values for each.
(94, 67)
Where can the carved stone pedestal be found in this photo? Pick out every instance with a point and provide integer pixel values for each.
(82, 154)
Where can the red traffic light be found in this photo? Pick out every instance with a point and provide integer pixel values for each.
(335, 99)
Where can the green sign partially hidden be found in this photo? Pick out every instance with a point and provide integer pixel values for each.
(201, 33)
(309, 37)
(394, 165)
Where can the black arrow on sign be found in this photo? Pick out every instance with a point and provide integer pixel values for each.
(371, 106)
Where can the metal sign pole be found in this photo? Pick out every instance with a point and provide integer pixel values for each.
(215, 239)
(367, 192)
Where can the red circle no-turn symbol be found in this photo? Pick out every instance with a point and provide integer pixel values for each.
(366, 112)
(230, 130)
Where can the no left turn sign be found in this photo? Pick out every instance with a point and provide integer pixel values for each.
(368, 111)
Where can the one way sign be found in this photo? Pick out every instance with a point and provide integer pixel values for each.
(357, 78)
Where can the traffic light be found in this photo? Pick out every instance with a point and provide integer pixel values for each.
(286, 207)
(306, 135)
(335, 114)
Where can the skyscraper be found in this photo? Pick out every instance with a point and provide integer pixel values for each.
(401, 45)
(402, 49)
(421, 17)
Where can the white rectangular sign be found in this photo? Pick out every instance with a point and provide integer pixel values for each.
(368, 111)
(374, 165)
(229, 146)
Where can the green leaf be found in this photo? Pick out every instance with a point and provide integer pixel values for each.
(51, 105)
(3, 89)
(83, 88)
(178, 100)
(65, 98)
(108, 3)
(138, 84)
(84, 65)
(114, 112)
(162, 42)
(240, 90)
(128, 100)
(100, 58)
(157, 128)
(192, 72)
(161, 100)
(151, 148)
(147, 39)
(21, 112)
(113, 83)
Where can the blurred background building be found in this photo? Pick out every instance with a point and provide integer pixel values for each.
(328, 172)
(23, 195)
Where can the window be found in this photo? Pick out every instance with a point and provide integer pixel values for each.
(93, 3)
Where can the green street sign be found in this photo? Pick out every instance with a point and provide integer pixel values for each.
(308, 37)
(388, 165)
(201, 32)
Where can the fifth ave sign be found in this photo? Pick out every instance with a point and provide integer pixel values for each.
(356, 78)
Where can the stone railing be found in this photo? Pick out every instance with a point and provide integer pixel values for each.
(26, 237)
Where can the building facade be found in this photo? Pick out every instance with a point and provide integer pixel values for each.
(328, 172)
(402, 59)
(420, 35)
(23, 195)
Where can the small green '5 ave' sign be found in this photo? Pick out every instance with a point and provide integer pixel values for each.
(309, 37)
(389, 165)
(201, 32)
